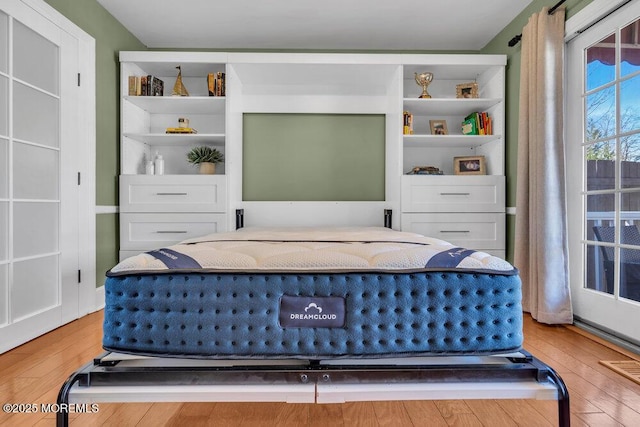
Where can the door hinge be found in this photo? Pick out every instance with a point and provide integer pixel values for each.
(78, 178)
(78, 79)
(79, 276)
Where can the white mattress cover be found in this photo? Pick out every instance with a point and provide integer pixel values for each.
(315, 249)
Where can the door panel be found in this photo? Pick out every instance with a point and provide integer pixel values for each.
(38, 185)
(603, 165)
(36, 172)
(36, 59)
(36, 116)
(35, 291)
(35, 229)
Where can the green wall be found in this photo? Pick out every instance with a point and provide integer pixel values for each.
(500, 45)
(111, 37)
(342, 159)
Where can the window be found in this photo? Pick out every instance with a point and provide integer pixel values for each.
(611, 152)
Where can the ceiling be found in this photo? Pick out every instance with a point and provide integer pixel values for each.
(319, 24)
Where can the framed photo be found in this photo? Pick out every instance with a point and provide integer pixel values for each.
(467, 90)
(470, 165)
(438, 127)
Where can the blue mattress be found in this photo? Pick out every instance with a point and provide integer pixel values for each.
(313, 315)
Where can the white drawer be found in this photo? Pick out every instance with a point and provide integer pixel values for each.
(152, 231)
(480, 231)
(172, 193)
(453, 193)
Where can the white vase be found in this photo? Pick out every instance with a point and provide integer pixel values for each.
(207, 168)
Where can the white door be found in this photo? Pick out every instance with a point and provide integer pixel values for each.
(603, 152)
(38, 175)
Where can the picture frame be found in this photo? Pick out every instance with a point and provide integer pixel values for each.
(438, 127)
(467, 90)
(469, 165)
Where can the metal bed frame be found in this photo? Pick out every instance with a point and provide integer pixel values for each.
(113, 377)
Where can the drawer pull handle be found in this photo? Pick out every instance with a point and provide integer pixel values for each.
(455, 231)
(172, 194)
(455, 194)
(171, 232)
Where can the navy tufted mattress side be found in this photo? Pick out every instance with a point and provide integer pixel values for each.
(385, 314)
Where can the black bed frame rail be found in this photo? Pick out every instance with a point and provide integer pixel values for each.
(104, 373)
(388, 221)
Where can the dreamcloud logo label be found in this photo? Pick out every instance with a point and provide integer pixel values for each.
(311, 312)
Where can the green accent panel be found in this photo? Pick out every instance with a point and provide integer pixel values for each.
(313, 157)
(111, 37)
(106, 245)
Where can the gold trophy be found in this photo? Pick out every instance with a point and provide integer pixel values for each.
(423, 80)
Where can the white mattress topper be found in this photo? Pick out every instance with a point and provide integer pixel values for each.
(310, 250)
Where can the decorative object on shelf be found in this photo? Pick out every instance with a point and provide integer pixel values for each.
(178, 87)
(183, 127)
(423, 80)
(467, 90)
(438, 127)
(407, 123)
(425, 170)
(149, 168)
(216, 84)
(158, 164)
(469, 165)
(206, 158)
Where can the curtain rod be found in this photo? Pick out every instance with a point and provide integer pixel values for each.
(514, 41)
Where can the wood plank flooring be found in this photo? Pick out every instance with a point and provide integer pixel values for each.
(34, 372)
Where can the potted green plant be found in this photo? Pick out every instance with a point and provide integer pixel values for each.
(206, 158)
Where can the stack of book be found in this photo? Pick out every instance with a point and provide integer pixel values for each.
(216, 84)
(477, 124)
(181, 130)
(145, 86)
(407, 123)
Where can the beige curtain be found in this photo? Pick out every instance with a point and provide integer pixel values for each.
(541, 250)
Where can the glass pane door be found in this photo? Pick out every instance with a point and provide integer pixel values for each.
(612, 157)
(36, 171)
(38, 181)
(603, 152)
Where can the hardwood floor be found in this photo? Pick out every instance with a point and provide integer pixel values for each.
(34, 372)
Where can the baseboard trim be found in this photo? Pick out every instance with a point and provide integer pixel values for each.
(622, 345)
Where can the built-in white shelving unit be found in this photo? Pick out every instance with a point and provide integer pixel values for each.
(468, 209)
(159, 210)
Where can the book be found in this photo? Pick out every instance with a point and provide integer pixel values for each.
(216, 84)
(211, 84)
(181, 130)
(132, 85)
(143, 85)
(469, 127)
(407, 125)
(477, 123)
(156, 86)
